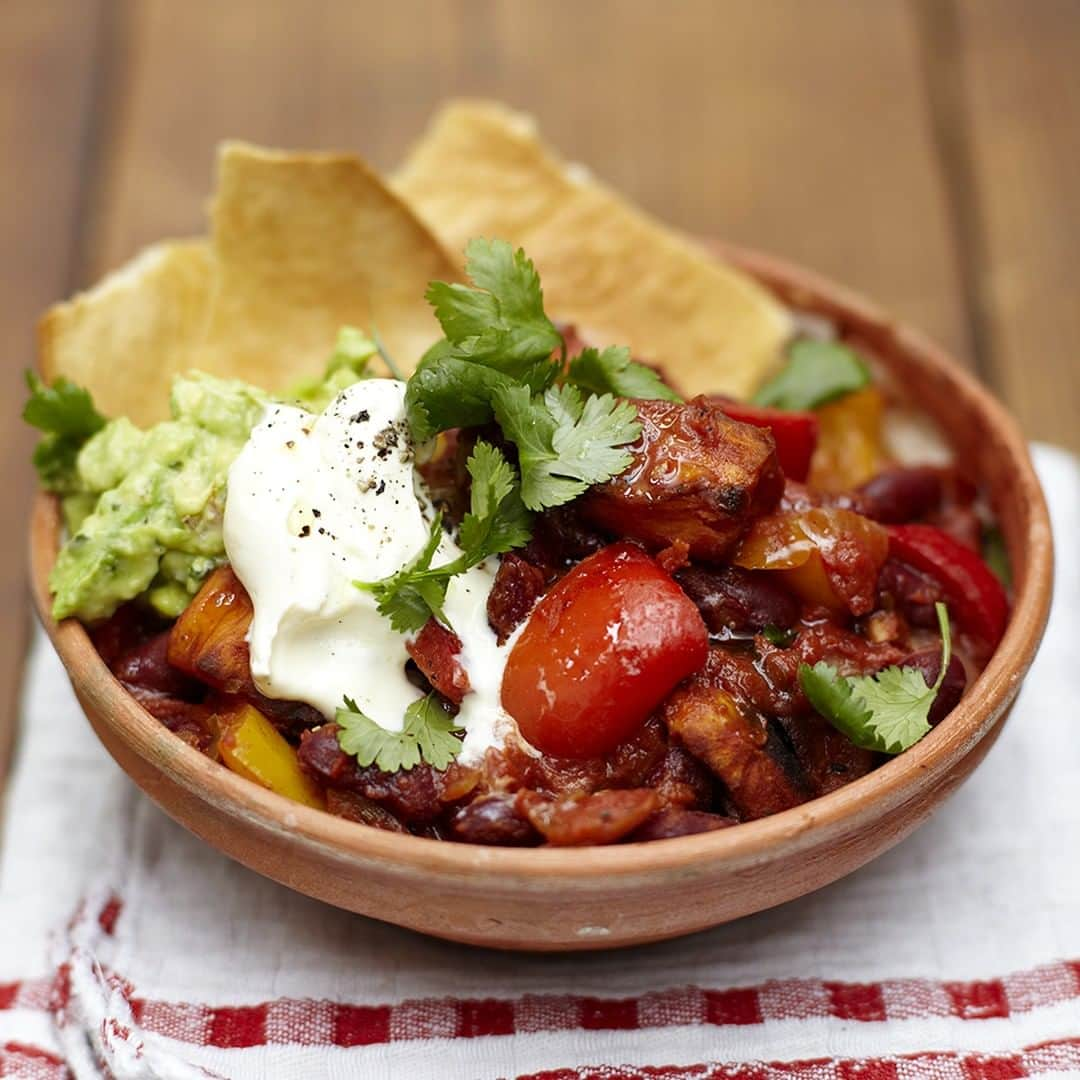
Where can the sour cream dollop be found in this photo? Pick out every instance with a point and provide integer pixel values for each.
(317, 503)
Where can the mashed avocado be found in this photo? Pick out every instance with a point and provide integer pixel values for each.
(144, 508)
(148, 515)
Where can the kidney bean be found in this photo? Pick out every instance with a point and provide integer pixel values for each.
(736, 599)
(518, 585)
(416, 796)
(492, 819)
(681, 781)
(665, 824)
(901, 494)
(354, 807)
(913, 592)
(147, 666)
(928, 661)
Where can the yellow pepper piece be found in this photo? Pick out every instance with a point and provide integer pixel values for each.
(251, 746)
(849, 450)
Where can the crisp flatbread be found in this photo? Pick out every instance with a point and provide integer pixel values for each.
(127, 337)
(622, 277)
(301, 245)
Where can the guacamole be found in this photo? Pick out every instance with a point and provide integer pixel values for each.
(144, 508)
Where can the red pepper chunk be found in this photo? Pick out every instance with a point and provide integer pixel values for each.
(600, 651)
(796, 433)
(435, 650)
(975, 597)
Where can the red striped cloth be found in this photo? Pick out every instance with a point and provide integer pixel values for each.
(130, 950)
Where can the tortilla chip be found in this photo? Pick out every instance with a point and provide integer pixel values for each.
(302, 245)
(613, 271)
(128, 336)
(305, 244)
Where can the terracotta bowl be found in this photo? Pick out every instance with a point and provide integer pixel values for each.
(590, 898)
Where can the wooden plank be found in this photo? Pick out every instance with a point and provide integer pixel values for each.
(800, 128)
(46, 75)
(1022, 97)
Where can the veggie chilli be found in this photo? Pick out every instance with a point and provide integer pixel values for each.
(529, 595)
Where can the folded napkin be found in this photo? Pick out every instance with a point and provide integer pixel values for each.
(129, 949)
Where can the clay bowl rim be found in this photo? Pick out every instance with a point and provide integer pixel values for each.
(887, 787)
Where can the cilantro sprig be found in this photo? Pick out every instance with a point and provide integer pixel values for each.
(565, 442)
(497, 521)
(816, 373)
(501, 323)
(428, 733)
(611, 371)
(503, 359)
(887, 712)
(66, 414)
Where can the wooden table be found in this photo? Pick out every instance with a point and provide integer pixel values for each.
(924, 151)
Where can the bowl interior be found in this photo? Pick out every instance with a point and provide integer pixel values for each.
(983, 436)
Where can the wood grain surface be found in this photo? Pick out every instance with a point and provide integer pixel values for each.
(923, 151)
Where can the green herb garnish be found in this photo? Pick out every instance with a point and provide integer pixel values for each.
(497, 338)
(816, 373)
(611, 371)
(66, 414)
(565, 443)
(887, 712)
(428, 734)
(497, 521)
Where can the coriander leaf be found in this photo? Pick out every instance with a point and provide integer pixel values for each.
(428, 734)
(447, 392)
(831, 695)
(502, 323)
(512, 279)
(462, 312)
(816, 373)
(589, 439)
(411, 596)
(433, 730)
(611, 371)
(565, 444)
(497, 520)
(61, 409)
(54, 459)
(66, 414)
(887, 712)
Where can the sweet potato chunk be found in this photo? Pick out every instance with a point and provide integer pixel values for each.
(737, 747)
(697, 476)
(209, 640)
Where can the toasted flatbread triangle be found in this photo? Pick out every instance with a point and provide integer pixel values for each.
(305, 244)
(127, 337)
(302, 244)
(481, 170)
